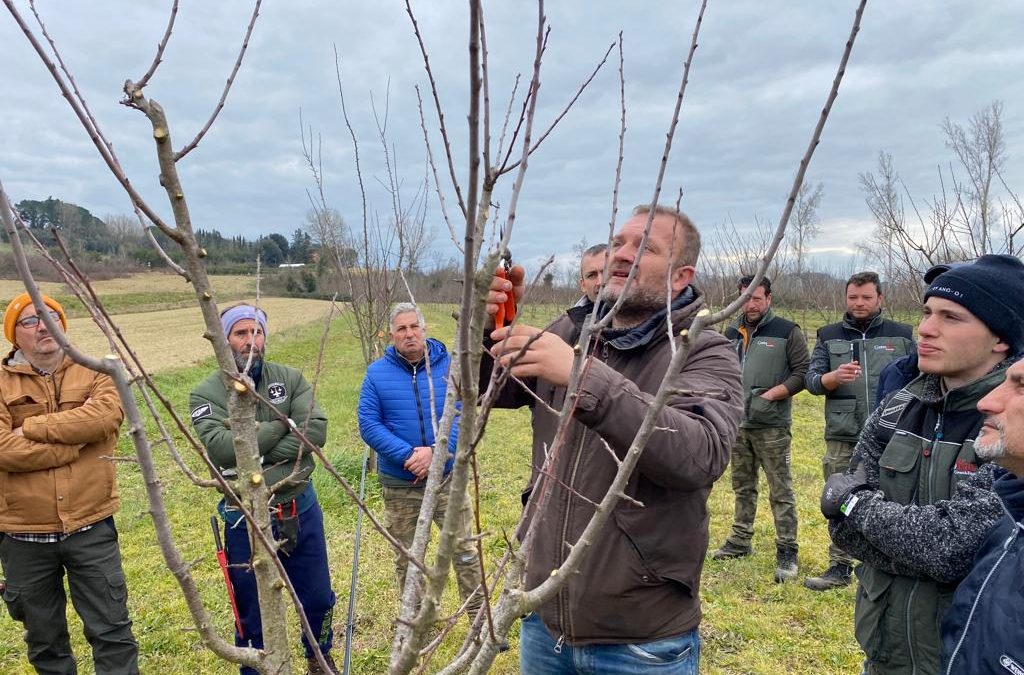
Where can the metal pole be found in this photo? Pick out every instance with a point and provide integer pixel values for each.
(350, 620)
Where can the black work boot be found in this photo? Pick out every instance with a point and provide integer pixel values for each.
(785, 564)
(730, 550)
(313, 666)
(836, 576)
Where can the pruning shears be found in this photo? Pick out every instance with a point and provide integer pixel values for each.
(507, 310)
(222, 560)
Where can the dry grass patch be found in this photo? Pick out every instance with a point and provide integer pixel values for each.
(174, 338)
(12, 287)
(232, 284)
(150, 282)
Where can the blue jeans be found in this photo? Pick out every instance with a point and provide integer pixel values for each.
(306, 567)
(539, 654)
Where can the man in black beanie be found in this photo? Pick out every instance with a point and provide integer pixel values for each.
(917, 502)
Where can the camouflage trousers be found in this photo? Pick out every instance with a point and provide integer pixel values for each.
(767, 449)
(837, 460)
(402, 508)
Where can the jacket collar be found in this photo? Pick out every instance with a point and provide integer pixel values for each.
(765, 320)
(685, 305)
(928, 389)
(16, 362)
(850, 322)
(435, 351)
(1010, 489)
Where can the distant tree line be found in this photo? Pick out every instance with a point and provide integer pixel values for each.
(119, 241)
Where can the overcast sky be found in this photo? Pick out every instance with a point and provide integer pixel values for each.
(756, 88)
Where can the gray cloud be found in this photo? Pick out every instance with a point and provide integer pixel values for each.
(758, 82)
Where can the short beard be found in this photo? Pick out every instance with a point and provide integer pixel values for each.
(995, 450)
(242, 359)
(639, 305)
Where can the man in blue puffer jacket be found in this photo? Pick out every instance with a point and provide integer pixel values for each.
(397, 420)
(983, 631)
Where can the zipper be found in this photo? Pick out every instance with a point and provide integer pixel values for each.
(931, 460)
(419, 407)
(977, 599)
(868, 398)
(558, 645)
(929, 456)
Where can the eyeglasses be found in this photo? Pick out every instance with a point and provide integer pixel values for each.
(33, 321)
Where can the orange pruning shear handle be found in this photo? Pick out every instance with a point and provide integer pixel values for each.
(507, 310)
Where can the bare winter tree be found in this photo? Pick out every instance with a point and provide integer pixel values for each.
(733, 253)
(125, 229)
(251, 492)
(486, 164)
(485, 168)
(806, 225)
(972, 213)
(981, 151)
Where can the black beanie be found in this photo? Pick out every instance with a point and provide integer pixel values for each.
(992, 289)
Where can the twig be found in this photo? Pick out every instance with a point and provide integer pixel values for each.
(570, 104)
(437, 106)
(158, 58)
(227, 86)
(433, 169)
(663, 165)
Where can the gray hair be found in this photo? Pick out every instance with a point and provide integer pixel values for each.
(402, 308)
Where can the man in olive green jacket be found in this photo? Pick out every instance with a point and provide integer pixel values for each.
(297, 518)
(773, 354)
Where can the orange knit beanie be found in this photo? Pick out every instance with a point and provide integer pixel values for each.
(18, 304)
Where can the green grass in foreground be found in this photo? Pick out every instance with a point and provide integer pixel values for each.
(751, 624)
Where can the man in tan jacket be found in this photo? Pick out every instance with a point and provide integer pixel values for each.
(58, 493)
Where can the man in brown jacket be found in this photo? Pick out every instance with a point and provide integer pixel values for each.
(633, 606)
(58, 493)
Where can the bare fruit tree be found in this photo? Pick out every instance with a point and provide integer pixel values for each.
(251, 491)
(974, 211)
(470, 216)
(485, 168)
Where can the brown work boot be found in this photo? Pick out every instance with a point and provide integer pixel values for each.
(729, 550)
(313, 666)
(836, 576)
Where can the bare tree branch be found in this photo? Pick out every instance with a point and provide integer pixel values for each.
(227, 86)
(158, 57)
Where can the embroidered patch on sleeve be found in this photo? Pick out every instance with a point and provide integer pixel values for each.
(201, 411)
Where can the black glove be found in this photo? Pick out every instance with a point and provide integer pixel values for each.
(840, 494)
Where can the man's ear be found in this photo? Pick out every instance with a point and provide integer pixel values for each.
(682, 277)
(1001, 348)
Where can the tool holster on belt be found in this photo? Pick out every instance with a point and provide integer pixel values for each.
(286, 518)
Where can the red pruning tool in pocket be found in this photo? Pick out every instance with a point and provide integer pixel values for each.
(222, 560)
(507, 310)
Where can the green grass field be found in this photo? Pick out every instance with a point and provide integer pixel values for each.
(751, 624)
